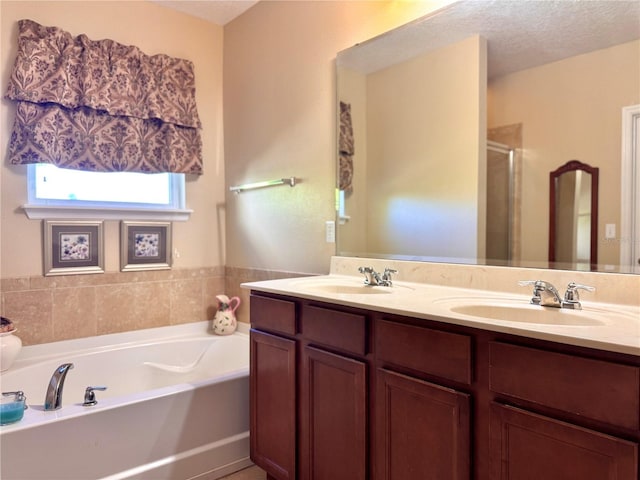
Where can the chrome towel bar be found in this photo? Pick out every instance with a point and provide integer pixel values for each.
(291, 181)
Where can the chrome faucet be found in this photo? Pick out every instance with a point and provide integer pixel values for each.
(571, 297)
(373, 278)
(544, 293)
(53, 397)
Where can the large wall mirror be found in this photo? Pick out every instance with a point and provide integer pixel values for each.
(451, 125)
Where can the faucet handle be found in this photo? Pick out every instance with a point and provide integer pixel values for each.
(90, 396)
(388, 272)
(538, 287)
(571, 296)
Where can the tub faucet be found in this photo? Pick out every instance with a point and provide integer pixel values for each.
(544, 294)
(53, 398)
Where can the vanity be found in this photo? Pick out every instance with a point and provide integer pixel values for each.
(437, 381)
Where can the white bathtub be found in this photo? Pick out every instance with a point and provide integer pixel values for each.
(161, 417)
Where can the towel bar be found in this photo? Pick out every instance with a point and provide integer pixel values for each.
(291, 181)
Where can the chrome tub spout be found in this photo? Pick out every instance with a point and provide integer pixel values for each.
(53, 397)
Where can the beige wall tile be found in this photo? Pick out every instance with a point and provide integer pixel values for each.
(30, 311)
(48, 309)
(186, 301)
(132, 306)
(74, 313)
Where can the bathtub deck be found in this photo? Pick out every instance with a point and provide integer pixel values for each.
(251, 473)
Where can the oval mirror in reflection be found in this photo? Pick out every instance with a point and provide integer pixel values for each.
(573, 216)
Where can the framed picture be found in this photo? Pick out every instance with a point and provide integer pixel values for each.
(73, 247)
(145, 246)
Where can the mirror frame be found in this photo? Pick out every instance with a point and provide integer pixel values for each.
(572, 166)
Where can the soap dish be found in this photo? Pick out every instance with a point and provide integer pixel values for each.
(12, 407)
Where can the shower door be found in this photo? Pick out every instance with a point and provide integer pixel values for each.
(500, 194)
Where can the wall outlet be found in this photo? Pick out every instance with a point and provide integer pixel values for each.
(330, 231)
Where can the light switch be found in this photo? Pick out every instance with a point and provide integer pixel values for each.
(330, 231)
(610, 231)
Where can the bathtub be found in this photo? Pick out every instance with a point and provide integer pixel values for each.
(176, 407)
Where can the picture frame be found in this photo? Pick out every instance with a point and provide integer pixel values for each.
(73, 247)
(145, 246)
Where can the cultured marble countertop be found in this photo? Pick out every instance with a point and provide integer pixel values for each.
(602, 326)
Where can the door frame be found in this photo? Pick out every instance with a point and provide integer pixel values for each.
(630, 190)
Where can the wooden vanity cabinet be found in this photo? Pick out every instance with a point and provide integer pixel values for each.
(343, 393)
(334, 394)
(273, 398)
(333, 440)
(525, 445)
(423, 429)
(309, 391)
(557, 415)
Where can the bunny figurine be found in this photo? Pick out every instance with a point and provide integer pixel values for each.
(224, 323)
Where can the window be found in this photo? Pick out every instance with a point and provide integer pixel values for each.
(64, 193)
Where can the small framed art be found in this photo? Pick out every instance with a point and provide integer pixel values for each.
(73, 247)
(145, 246)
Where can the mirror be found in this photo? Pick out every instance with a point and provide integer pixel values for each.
(573, 216)
(455, 121)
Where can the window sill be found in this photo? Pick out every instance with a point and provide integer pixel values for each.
(40, 212)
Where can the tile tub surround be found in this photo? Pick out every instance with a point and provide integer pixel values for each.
(49, 309)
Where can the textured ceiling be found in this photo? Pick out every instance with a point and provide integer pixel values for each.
(219, 12)
(520, 34)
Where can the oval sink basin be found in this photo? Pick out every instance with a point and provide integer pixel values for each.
(342, 286)
(349, 289)
(533, 314)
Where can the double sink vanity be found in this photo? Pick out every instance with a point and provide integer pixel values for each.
(458, 377)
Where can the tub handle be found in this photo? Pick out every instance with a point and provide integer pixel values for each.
(90, 396)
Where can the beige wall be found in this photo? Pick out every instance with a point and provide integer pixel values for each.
(153, 29)
(570, 110)
(280, 117)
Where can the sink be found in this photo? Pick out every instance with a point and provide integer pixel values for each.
(342, 286)
(350, 289)
(520, 311)
(530, 314)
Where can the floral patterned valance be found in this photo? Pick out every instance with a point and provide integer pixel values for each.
(101, 105)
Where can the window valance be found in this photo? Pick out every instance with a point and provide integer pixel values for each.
(101, 105)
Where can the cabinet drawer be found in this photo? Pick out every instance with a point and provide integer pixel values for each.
(273, 314)
(526, 445)
(601, 390)
(443, 354)
(345, 331)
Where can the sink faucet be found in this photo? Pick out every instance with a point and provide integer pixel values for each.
(544, 293)
(373, 278)
(547, 295)
(571, 297)
(53, 397)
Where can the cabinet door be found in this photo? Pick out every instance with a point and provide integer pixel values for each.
(273, 404)
(422, 430)
(334, 417)
(526, 446)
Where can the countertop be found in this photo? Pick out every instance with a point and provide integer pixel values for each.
(601, 326)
